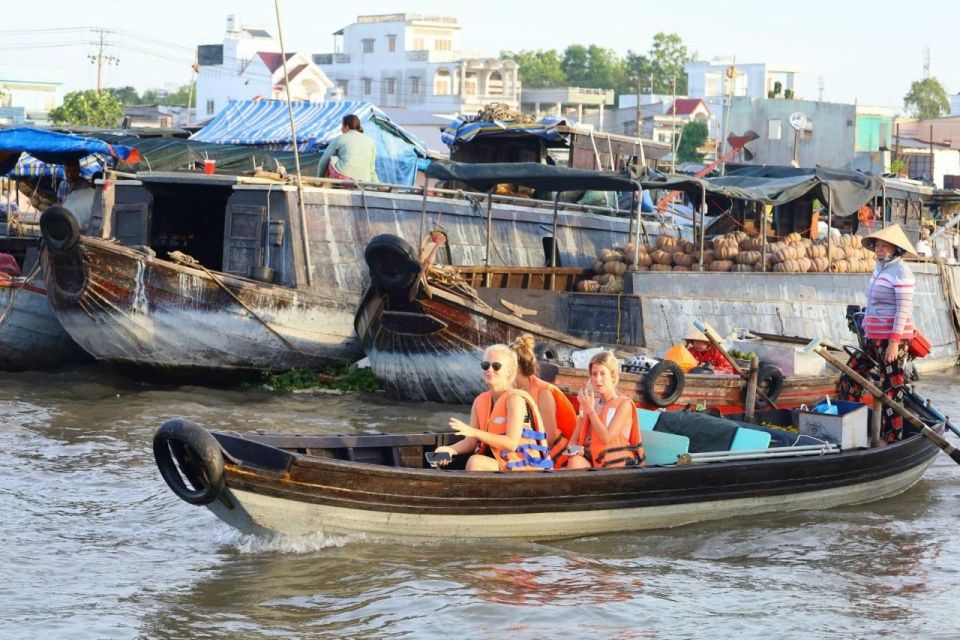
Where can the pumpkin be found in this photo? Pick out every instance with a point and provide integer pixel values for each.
(721, 265)
(820, 264)
(598, 266)
(682, 259)
(805, 264)
(728, 252)
(588, 286)
(615, 285)
(640, 267)
(681, 267)
(602, 279)
(662, 257)
(748, 257)
(660, 267)
(644, 260)
(664, 242)
(793, 238)
(708, 256)
(743, 267)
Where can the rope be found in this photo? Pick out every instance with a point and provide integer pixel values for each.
(15, 291)
(190, 261)
(500, 111)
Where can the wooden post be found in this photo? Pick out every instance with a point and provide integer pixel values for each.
(829, 226)
(703, 221)
(423, 209)
(486, 260)
(553, 245)
(876, 420)
(750, 401)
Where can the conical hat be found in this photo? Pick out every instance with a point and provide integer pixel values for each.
(894, 235)
(695, 334)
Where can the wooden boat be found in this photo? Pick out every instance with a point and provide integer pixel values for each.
(424, 331)
(31, 337)
(379, 485)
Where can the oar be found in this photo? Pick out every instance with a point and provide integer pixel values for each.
(708, 331)
(927, 432)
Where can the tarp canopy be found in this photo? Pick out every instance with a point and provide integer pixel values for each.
(266, 124)
(466, 129)
(530, 174)
(780, 185)
(52, 148)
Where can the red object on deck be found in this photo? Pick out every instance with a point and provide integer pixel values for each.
(8, 265)
(919, 347)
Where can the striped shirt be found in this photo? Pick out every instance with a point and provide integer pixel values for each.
(890, 302)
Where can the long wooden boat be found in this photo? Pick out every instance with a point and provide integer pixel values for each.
(31, 337)
(379, 485)
(425, 335)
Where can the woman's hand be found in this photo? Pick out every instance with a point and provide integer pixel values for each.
(445, 449)
(462, 428)
(588, 401)
(892, 351)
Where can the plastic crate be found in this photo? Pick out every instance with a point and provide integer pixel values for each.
(847, 428)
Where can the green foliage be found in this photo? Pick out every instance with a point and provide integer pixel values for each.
(595, 67)
(176, 98)
(927, 99)
(694, 136)
(898, 166)
(126, 95)
(347, 378)
(788, 94)
(88, 108)
(539, 68)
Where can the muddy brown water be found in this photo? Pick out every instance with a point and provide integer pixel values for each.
(94, 545)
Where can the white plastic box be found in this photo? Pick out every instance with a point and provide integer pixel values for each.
(790, 360)
(848, 428)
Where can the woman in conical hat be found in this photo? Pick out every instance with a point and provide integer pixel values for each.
(888, 322)
(706, 354)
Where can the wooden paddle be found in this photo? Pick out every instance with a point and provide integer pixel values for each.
(871, 388)
(714, 340)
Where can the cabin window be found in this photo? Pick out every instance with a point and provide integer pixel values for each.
(548, 252)
(189, 218)
(773, 129)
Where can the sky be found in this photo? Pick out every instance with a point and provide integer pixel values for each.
(868, 52)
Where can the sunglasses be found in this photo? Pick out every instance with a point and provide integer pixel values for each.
(486, 365)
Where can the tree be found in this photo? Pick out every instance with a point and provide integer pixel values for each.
(538, 69)
(667, 56)
(165, 97)
(927, 99)
(88, 108)
(126, 95)
(693, 136)
(636, 65)
(592, 66)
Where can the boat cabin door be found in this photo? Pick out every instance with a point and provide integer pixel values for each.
(243, 239)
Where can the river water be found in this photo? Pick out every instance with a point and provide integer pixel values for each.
(94, 545)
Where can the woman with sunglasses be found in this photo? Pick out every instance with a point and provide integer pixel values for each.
(608, 434)
(559, 416)
(505, 431)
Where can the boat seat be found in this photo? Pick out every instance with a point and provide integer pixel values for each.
(746, 438)
(647, 419)
(663, 448)
(706, 432)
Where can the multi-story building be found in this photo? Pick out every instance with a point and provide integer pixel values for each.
(415, 61)
(248, 65)
(28, 95)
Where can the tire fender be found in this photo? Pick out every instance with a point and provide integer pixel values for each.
(186, 452)
(770, 380)
(393, 263)
(60, 228)
(663, 368)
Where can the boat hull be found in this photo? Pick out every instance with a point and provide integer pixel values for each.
(376, 486)
(126, 307)
(31, 336)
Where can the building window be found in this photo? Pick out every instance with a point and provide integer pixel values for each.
(342, 85)
(391, 43)
(495, 84)
(367, 45)
(415, 86)
(470, 83)
(366, 86)
(391, 86)
(418, 44)
(441, 83)
(442, 45)
(773, 130)
(209, 107)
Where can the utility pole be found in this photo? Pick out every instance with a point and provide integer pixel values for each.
(100, 59)
(673, 127)
(731, 76)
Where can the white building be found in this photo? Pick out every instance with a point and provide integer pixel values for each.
(249, 65)
(754, 80)
(415, 61)
(28, 95)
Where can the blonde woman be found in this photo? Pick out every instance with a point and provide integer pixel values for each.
(608, 434)
(505, 431)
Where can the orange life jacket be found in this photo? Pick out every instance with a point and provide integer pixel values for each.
(566, 419)
(532, 452)
(620, 451)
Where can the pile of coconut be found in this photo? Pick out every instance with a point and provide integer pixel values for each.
(735, 251)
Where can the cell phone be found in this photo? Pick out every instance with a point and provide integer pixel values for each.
(435, 459)
(574, 450)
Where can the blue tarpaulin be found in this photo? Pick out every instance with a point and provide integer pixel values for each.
(266, 124)
(466, 129)
(32, 152)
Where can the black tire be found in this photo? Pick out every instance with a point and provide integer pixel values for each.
(770, 381)
(60, 229)
(393, 263)
(663, 368)
(198, 458)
